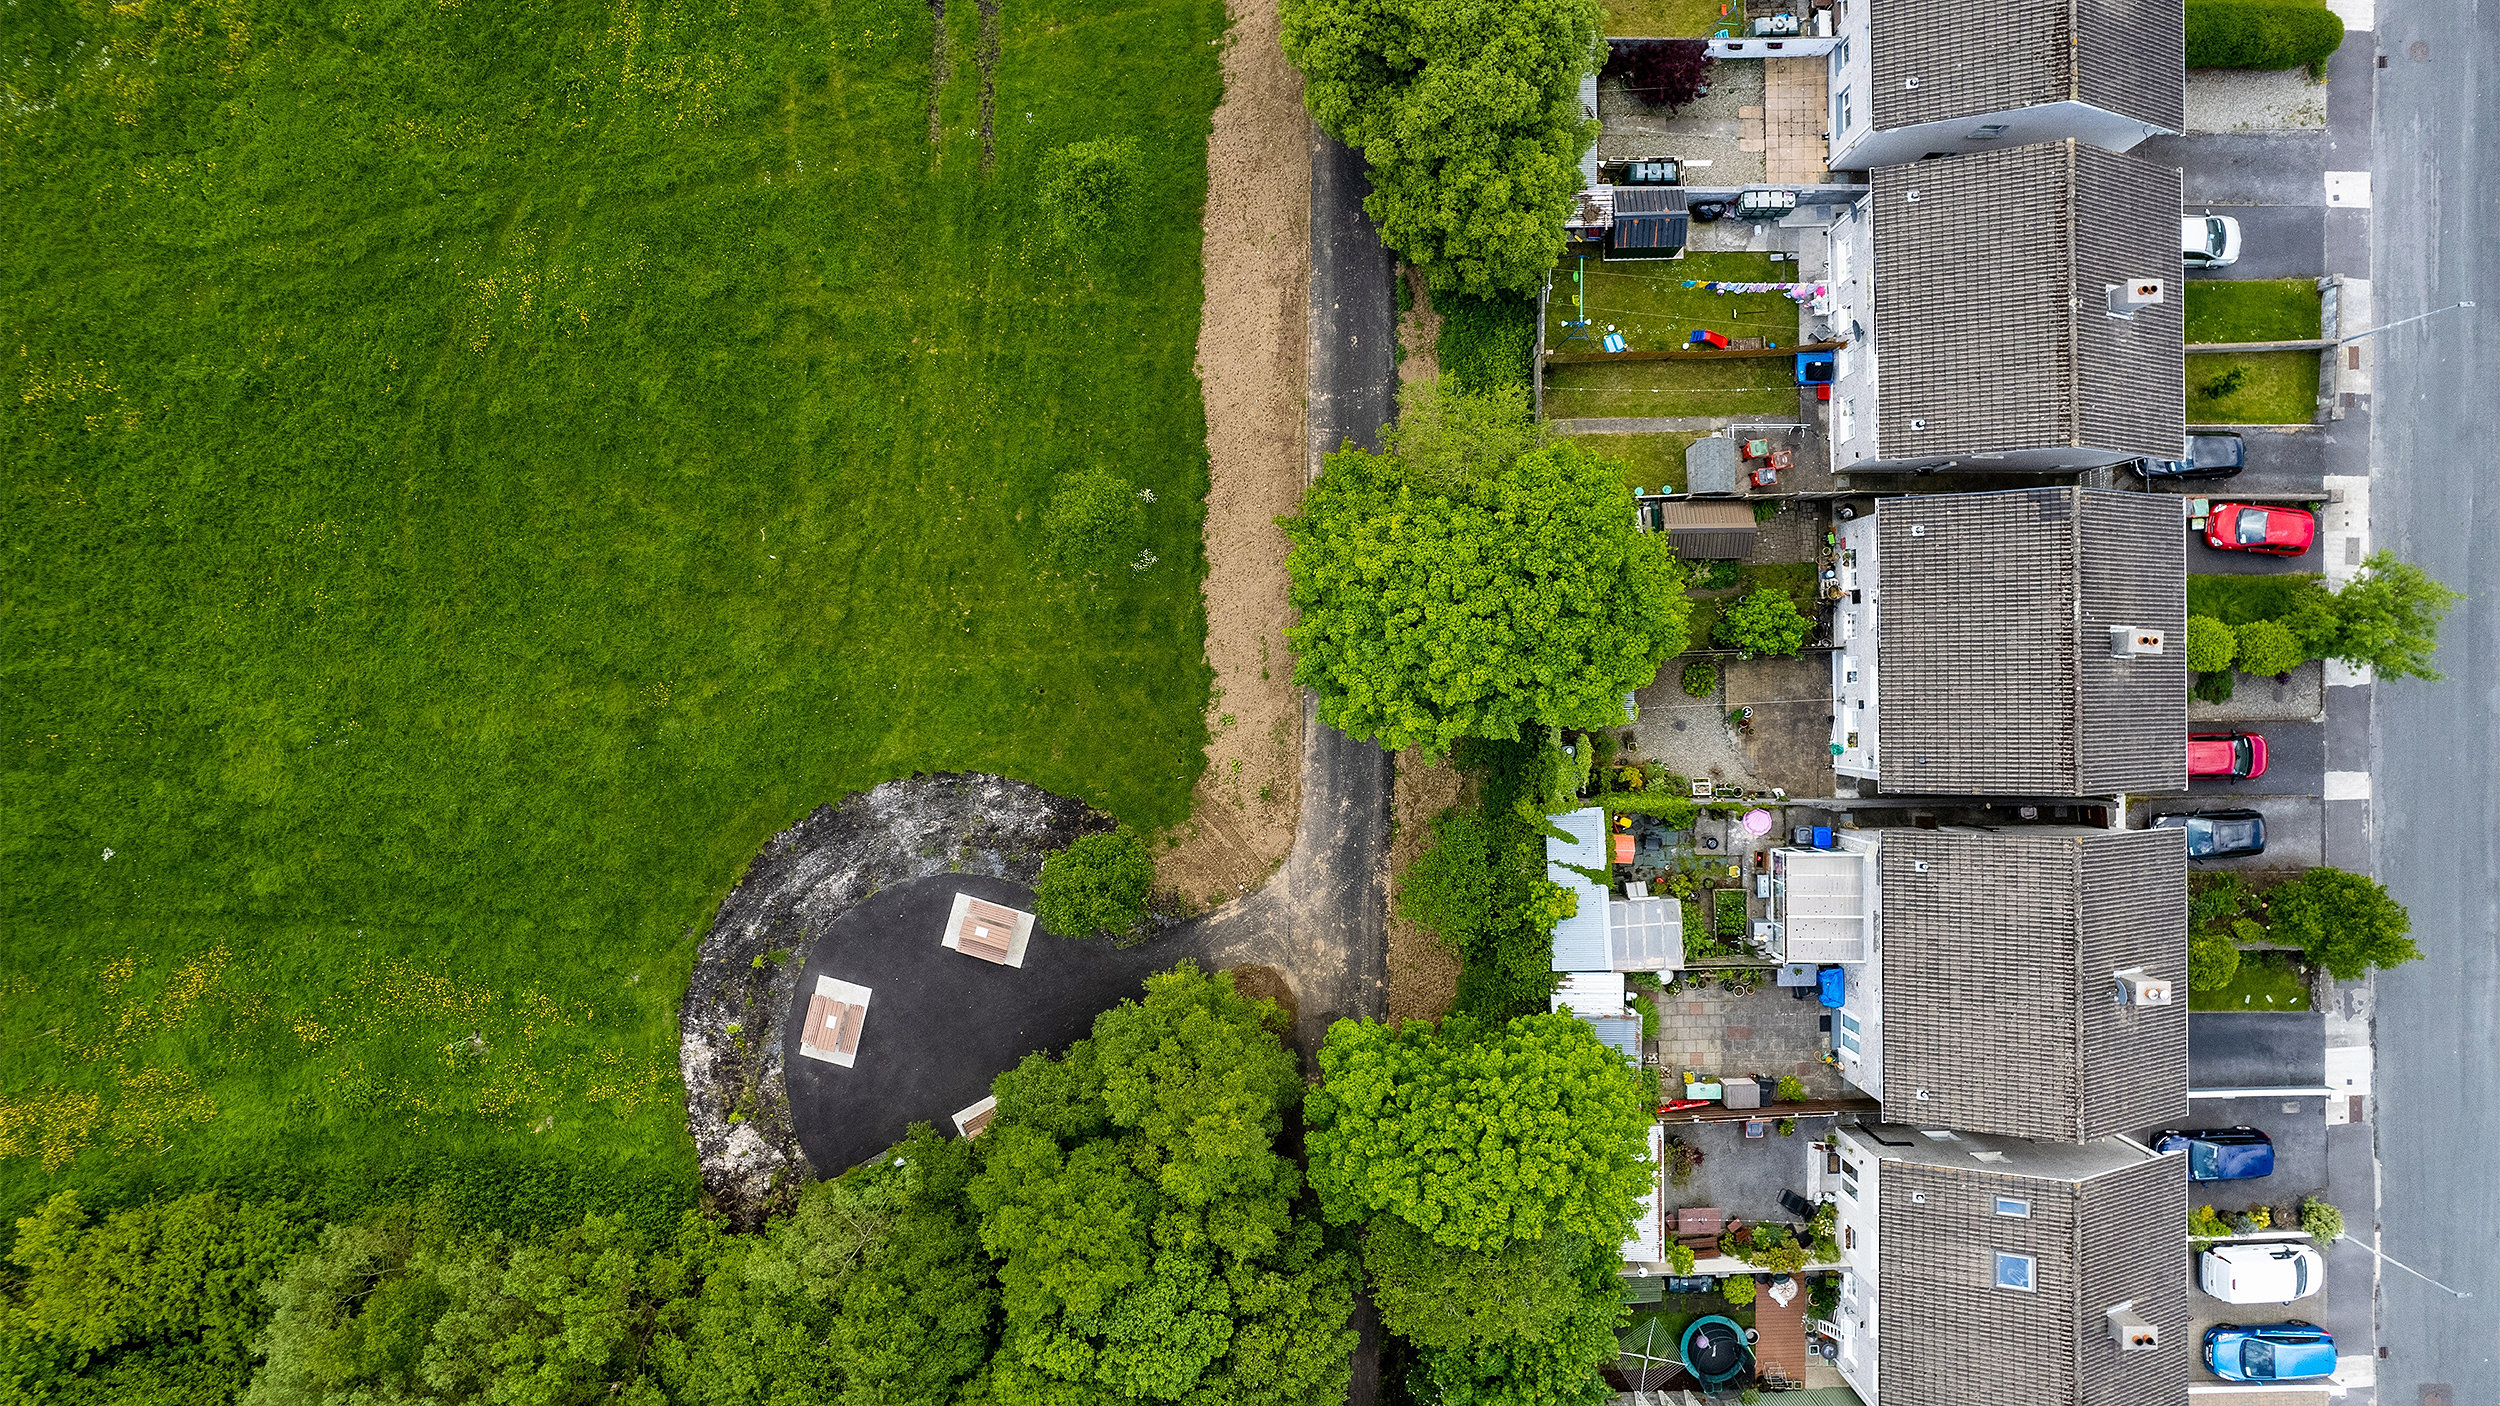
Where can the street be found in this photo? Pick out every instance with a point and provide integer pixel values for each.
(2438, 822)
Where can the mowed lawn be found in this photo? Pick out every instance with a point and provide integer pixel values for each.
(473, 473)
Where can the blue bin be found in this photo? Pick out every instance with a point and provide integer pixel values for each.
(1832, 985)
(1822, 837)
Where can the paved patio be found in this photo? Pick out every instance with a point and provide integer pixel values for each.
(1744, 1176)
(1766, 1033)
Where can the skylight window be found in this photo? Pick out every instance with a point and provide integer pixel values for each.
(2013, 1206)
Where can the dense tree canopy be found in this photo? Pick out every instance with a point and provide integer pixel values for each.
(1468, 112)
(2344, 922)
(2386, 617)
(1469, 594)
(1479, 1135)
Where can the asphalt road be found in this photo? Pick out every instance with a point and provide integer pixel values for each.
(2437, 1082)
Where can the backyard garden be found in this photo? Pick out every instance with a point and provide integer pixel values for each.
(477, 473)
(1656, 305)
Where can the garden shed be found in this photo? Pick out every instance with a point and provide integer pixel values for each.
(1710, 465)
(1709, 531)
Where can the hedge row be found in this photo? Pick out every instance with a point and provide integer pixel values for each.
(2244, 34)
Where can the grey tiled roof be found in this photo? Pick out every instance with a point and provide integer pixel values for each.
(2126, 56)
(1993, 660)
(1992, 322)
(1998, 959)
(1951, 1337)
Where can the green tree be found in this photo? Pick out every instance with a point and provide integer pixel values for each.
(1765, 622)
(2210, 644)
(2344, 922)
(1478, 1135)
(1094, 523)
(1435, 1296)
(1468, 113)
(1084, 190)
(1529, 598)
(1099, 884)
(2387, 617)
(2212, 962)
(2269, 648)
(917, 1315)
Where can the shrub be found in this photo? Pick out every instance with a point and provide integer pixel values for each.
(1485, 343)
(2320, 1221)
(1765, 622)
(2269, 648)
(1737, 1289)
(1788, 1127)
(1664, 73)
(2212, 962)
(2210, 644)
(1701, 678)
(2246, 34)
(2215, 687)
(1097, 885)
(1718, 574)
(1791, 1090)
(1095, 522)
(1677, 812)
(2218, 386)
(2387, 617)
(2203, 1224)
(2344, 922)
(1679, 1259)
(1084, 189)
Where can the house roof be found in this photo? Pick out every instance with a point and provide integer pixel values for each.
(1992, 307)
(1707, 531)
(2095, 1242)
(1995, 674)
(1999, 951)
(2124, 56)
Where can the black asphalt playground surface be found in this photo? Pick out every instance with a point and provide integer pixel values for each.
(940, 1024)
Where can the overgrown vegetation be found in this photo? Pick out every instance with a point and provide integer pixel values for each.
(1094, 524)
(1764, 622)
(1468, 114)
(1495, 1168)
(1661, 73)
(476, 472)
(1465, 584)
(1481, 885)
(1097, 886)
(2387, 617)
(2257, 34)
(1486, 344)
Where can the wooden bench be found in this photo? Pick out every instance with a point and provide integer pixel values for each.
(988, 931)
(833, 1026)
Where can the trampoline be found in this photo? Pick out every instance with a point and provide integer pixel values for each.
(1714, 1350)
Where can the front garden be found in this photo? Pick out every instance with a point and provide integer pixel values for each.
(2252, 388)
(2252, 310)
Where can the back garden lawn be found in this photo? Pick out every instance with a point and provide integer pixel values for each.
(474, 474)
(1646, 300)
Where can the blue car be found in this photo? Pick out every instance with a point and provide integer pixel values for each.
(2221, 1154)
(2269, 1352)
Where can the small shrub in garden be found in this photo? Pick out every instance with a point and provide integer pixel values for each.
(2215, 687)
(2212, 962)
(2269, 648)
(1737, 1289)
(2247, 34)
(2218, 386)
(1791, 1090)
(1084, 189)
(2320, 1221)
(1097, 885)
(1664, 73)
(1765, 622)
(1679, 1259)
(1094, 523)
(1701, 678)
(2210, 644)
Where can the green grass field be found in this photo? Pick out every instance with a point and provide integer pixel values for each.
(2237, 600)
(1649, 461)
(1647, 301)
(473, 474)
(2277, 388)
(1663, 19)
(2252, 310)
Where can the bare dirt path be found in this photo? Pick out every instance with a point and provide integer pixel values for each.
(1252, 356)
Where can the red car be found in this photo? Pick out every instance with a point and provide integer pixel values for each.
(2245, 527)
(2236, 755)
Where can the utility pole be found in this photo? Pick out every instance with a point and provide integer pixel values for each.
(2434, 312)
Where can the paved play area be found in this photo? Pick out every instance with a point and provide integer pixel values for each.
(945, 1021)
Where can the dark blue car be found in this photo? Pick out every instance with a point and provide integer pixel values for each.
(2269, 1352)
(2221, 1154)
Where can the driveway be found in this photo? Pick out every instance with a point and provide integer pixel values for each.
(2204, 560)
(2295, 828)
(2230, 1050)
(2298, 1127)
(2295, 764)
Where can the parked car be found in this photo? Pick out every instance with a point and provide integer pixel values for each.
(2221, 1154)
(2235, 755)
(2269, 1352)
(2245, 527)
(2218, 834)
(2279, 1271)
(2208, 241)
(2204, 456)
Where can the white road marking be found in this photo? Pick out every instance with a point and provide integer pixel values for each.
(2347, 786)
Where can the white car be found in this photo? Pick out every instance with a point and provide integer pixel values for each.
(2208, 241)
(2261, 1271)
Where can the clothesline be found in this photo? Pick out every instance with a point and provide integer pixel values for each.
(1795, 292)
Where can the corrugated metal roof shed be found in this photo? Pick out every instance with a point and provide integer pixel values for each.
(1709, 531)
